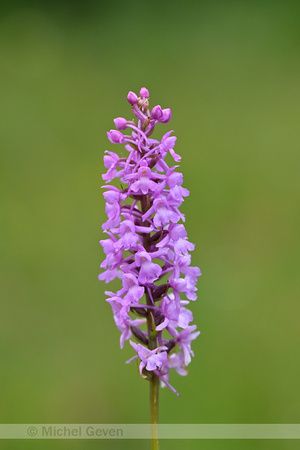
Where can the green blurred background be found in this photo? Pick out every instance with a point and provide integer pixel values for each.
(230, 72)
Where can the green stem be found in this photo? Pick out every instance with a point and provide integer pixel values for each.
(154, 384)
(154, 387)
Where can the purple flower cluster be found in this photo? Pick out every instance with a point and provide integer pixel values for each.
(146, 246)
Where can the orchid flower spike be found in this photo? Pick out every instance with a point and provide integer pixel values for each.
(146, 244)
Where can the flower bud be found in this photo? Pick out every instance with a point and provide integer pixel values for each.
(120, 123)
(156, 113)
(160, 291)
(132, 98)
(115, 137)
(145, 104)
(166, 117)
(170, 345)
(139, 335)
(144, 92)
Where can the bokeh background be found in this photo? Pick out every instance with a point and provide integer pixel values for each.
(230, 72)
